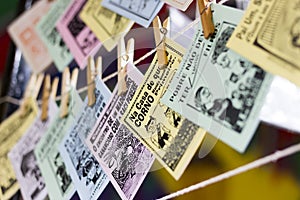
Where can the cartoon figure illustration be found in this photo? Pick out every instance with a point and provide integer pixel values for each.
(126, 167)
(80, 163)
(123, 157)
(55, 39)
(61, 173)
(86, 40)
(160, 134)
(173, 117)
(295, 33)
(220, 109)
(227, 59)
(30, 169)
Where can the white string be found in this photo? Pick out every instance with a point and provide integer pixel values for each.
(105, 79)
(110, 76)
(255, 164)
(9, 99)
(223, 1)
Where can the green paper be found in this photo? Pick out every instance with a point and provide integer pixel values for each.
(47, 31)
(57, 179)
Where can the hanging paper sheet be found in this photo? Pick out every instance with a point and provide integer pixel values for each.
(268, 35)
(23, 32)
(108, 26)
(24, 162)
(124, 159)
(11, 130)
(218, 89)
(140, 11)
(57, 178)
(46, 30)
(81, 41)
(88, 177)
(170, 137)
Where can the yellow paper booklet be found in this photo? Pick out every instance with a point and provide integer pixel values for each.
(11, 131)
(269, 36)
(106, 25)
(170, 137)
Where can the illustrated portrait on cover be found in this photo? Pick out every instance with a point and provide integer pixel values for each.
(241, 82)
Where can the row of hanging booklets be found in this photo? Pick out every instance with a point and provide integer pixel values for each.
(217, 86)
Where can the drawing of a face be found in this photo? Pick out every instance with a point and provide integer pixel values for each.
(58, 161)
(151, 125)
(203, 96)
(91, 173)
(86, 40)
(223, 60)
(295, 33)
(159, 133)
(221, 55)
(54, 37)
(28, 163)
(173, 117)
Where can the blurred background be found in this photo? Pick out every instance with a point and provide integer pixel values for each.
(278, 180)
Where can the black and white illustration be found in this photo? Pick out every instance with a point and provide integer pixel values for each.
(87, 168)
(158, 126)
(32, 173)
(160, 134)
(216, 88)
(57, 42)
(281, 28)
(83, 36)
(124, 159)
(81, 41)
(88, 177)
(47, 31)
(57, 177)
(85, 171)
(140, 11)
(24, 161)
(295, 32)
(241, 79)
(228, 92)
(63, 179)
(235, 75)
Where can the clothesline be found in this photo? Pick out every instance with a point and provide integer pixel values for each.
(15, 101)
(255, 164)
(252, 165)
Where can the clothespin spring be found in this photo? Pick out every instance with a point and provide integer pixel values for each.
(164, 31)
(206, 7)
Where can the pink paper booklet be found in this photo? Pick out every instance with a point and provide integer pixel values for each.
(81, 41)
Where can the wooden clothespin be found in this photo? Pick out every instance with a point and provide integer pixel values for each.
(206, 18)
(74, 77)
(48, 92)
(67, 84)
(92, 72)
(99, 66)
(45, 98)
(54, 88)
(31, 91)
(125, 55)
(160, 33)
